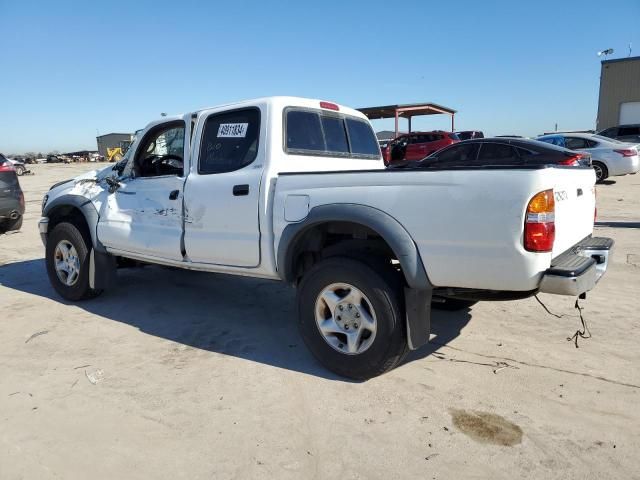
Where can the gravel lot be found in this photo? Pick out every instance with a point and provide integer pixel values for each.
(190, 375)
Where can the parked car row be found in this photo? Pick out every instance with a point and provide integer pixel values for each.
(608, 156)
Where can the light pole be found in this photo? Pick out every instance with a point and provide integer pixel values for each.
(605, 53)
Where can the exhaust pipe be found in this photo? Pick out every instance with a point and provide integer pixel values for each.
(13, 215)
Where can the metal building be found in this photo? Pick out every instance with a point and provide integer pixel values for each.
(619, 101)
(113, 140)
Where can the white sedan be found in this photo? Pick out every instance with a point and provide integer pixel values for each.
(610, 157)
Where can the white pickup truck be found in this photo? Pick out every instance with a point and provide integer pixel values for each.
(296, 190)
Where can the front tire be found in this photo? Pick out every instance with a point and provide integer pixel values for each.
(351, 317)
(67, 260)
(20, 170)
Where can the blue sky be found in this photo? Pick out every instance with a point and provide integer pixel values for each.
(71, 69)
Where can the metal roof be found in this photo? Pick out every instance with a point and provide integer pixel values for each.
(406, 111)
(109, 134)
(625, 59)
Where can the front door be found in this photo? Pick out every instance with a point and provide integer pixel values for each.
(222, 196)
(144, 214)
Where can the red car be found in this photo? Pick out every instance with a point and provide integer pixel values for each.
(416, 146)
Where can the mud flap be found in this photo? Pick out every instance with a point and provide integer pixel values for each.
(417, 304)
(102, 270)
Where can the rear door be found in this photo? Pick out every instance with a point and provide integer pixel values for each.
(415, 148)
(223, 189)
(436, 142)
(579, 143)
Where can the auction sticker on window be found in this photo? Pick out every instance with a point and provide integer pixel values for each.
(233, 130)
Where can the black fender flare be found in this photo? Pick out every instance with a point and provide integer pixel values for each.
(391, 231)
(86, 207)
(417, 297)
(102, 265)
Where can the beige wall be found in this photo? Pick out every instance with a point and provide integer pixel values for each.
(619, 83)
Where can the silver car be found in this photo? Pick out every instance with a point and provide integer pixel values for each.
(609, 157)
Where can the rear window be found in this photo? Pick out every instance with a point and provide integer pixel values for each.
(629, 131)
(310, 132)
(362, 138)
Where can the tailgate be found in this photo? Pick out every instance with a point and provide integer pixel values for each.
(575, 200)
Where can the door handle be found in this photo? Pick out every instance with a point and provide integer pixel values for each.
(174, 194)
(239, 190)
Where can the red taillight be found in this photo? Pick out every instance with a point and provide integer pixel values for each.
(329, 106)
(626, 153)
(7, 167)
(539, 224)
(572, 161)
(21, 200)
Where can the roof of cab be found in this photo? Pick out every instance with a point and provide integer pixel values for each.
(282, 102)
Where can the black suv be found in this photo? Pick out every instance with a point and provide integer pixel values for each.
(11, 197)
(624, 133)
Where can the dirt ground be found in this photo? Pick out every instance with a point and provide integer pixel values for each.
(188, 375)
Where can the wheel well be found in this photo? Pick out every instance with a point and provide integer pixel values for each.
(70, 214)
(338, 238)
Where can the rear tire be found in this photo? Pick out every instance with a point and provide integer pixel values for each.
(67, 237)
(10, 225)
(602, 173)
(367, 336)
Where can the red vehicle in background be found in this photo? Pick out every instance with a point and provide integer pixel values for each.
(416, 146)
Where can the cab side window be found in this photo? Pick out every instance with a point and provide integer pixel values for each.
(229, 141)
(161, 151)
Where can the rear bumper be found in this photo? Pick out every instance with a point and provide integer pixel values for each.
(578, 270)
(625, 166)
(10, 208)
(43, 228)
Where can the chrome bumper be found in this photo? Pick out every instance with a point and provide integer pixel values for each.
(43, 228)
(578, 270)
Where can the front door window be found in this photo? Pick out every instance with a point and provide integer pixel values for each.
(161, 152)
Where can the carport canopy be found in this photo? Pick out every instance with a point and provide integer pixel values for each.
(408, 111)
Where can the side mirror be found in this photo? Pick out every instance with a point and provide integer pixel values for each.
(120, 166)
(113, 184)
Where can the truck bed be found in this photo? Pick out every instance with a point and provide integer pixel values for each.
(467, 223)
